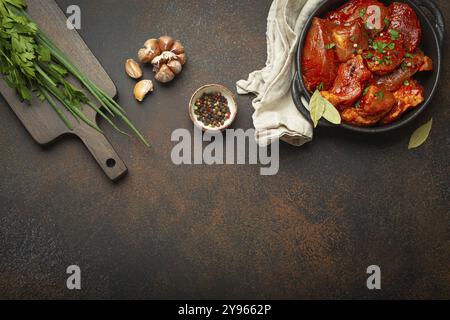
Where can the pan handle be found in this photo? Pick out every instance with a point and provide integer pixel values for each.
(299, 99)
(439, 21)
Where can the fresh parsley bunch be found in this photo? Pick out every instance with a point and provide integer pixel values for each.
(31, 63)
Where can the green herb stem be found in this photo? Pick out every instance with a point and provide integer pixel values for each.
(48, 77)
(52, 103)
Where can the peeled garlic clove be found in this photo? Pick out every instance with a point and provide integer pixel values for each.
(133, 69)
(177, 48)
(182, 58)
(166, 43)
(142, 88)
(164, 74)
(175, 66)
(149, 51)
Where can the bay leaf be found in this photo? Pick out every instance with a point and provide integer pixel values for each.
(322, 108)
(421, 135)
(331, 113)
(317, 107)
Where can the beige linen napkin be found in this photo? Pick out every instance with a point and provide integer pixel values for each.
(276, 116)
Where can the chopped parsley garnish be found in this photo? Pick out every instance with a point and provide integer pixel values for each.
(381, 46)
(386, 22)
(405, 65)
(379, 95)
(365, 91)
(320, 87)
(406, 83)
(353, 38)
(395, 35)
(409, 55)
(384, 60)
(330, 46)
(367, 26)
(362, 12)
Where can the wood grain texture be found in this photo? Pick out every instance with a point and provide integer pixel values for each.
(40, 119)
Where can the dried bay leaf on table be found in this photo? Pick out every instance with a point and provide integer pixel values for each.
(421, 135)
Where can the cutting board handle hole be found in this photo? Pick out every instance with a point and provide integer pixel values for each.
(111, 163)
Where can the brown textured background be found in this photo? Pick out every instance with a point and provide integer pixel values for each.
(338, 205)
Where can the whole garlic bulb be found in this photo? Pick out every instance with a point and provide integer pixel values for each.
(167, 56)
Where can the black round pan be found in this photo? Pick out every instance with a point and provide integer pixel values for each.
(432, 39)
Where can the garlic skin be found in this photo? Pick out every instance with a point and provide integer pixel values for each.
(142, 88)
(166, 43)
(175, 66)
(164, 57)
(150, 50)
(133, 69)
(164, 74)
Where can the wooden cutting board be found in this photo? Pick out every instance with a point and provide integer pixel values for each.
(40, 119)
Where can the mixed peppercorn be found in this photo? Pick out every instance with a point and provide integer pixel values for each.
(212, 109)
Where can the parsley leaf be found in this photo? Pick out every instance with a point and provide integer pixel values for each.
(362, 12)
(33, 66)
(379, 95)
(365, 91)
(395, 35)
(380, 46)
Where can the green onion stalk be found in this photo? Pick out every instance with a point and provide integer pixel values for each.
(31, 62)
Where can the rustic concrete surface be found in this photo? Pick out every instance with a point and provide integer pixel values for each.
(338, 205)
